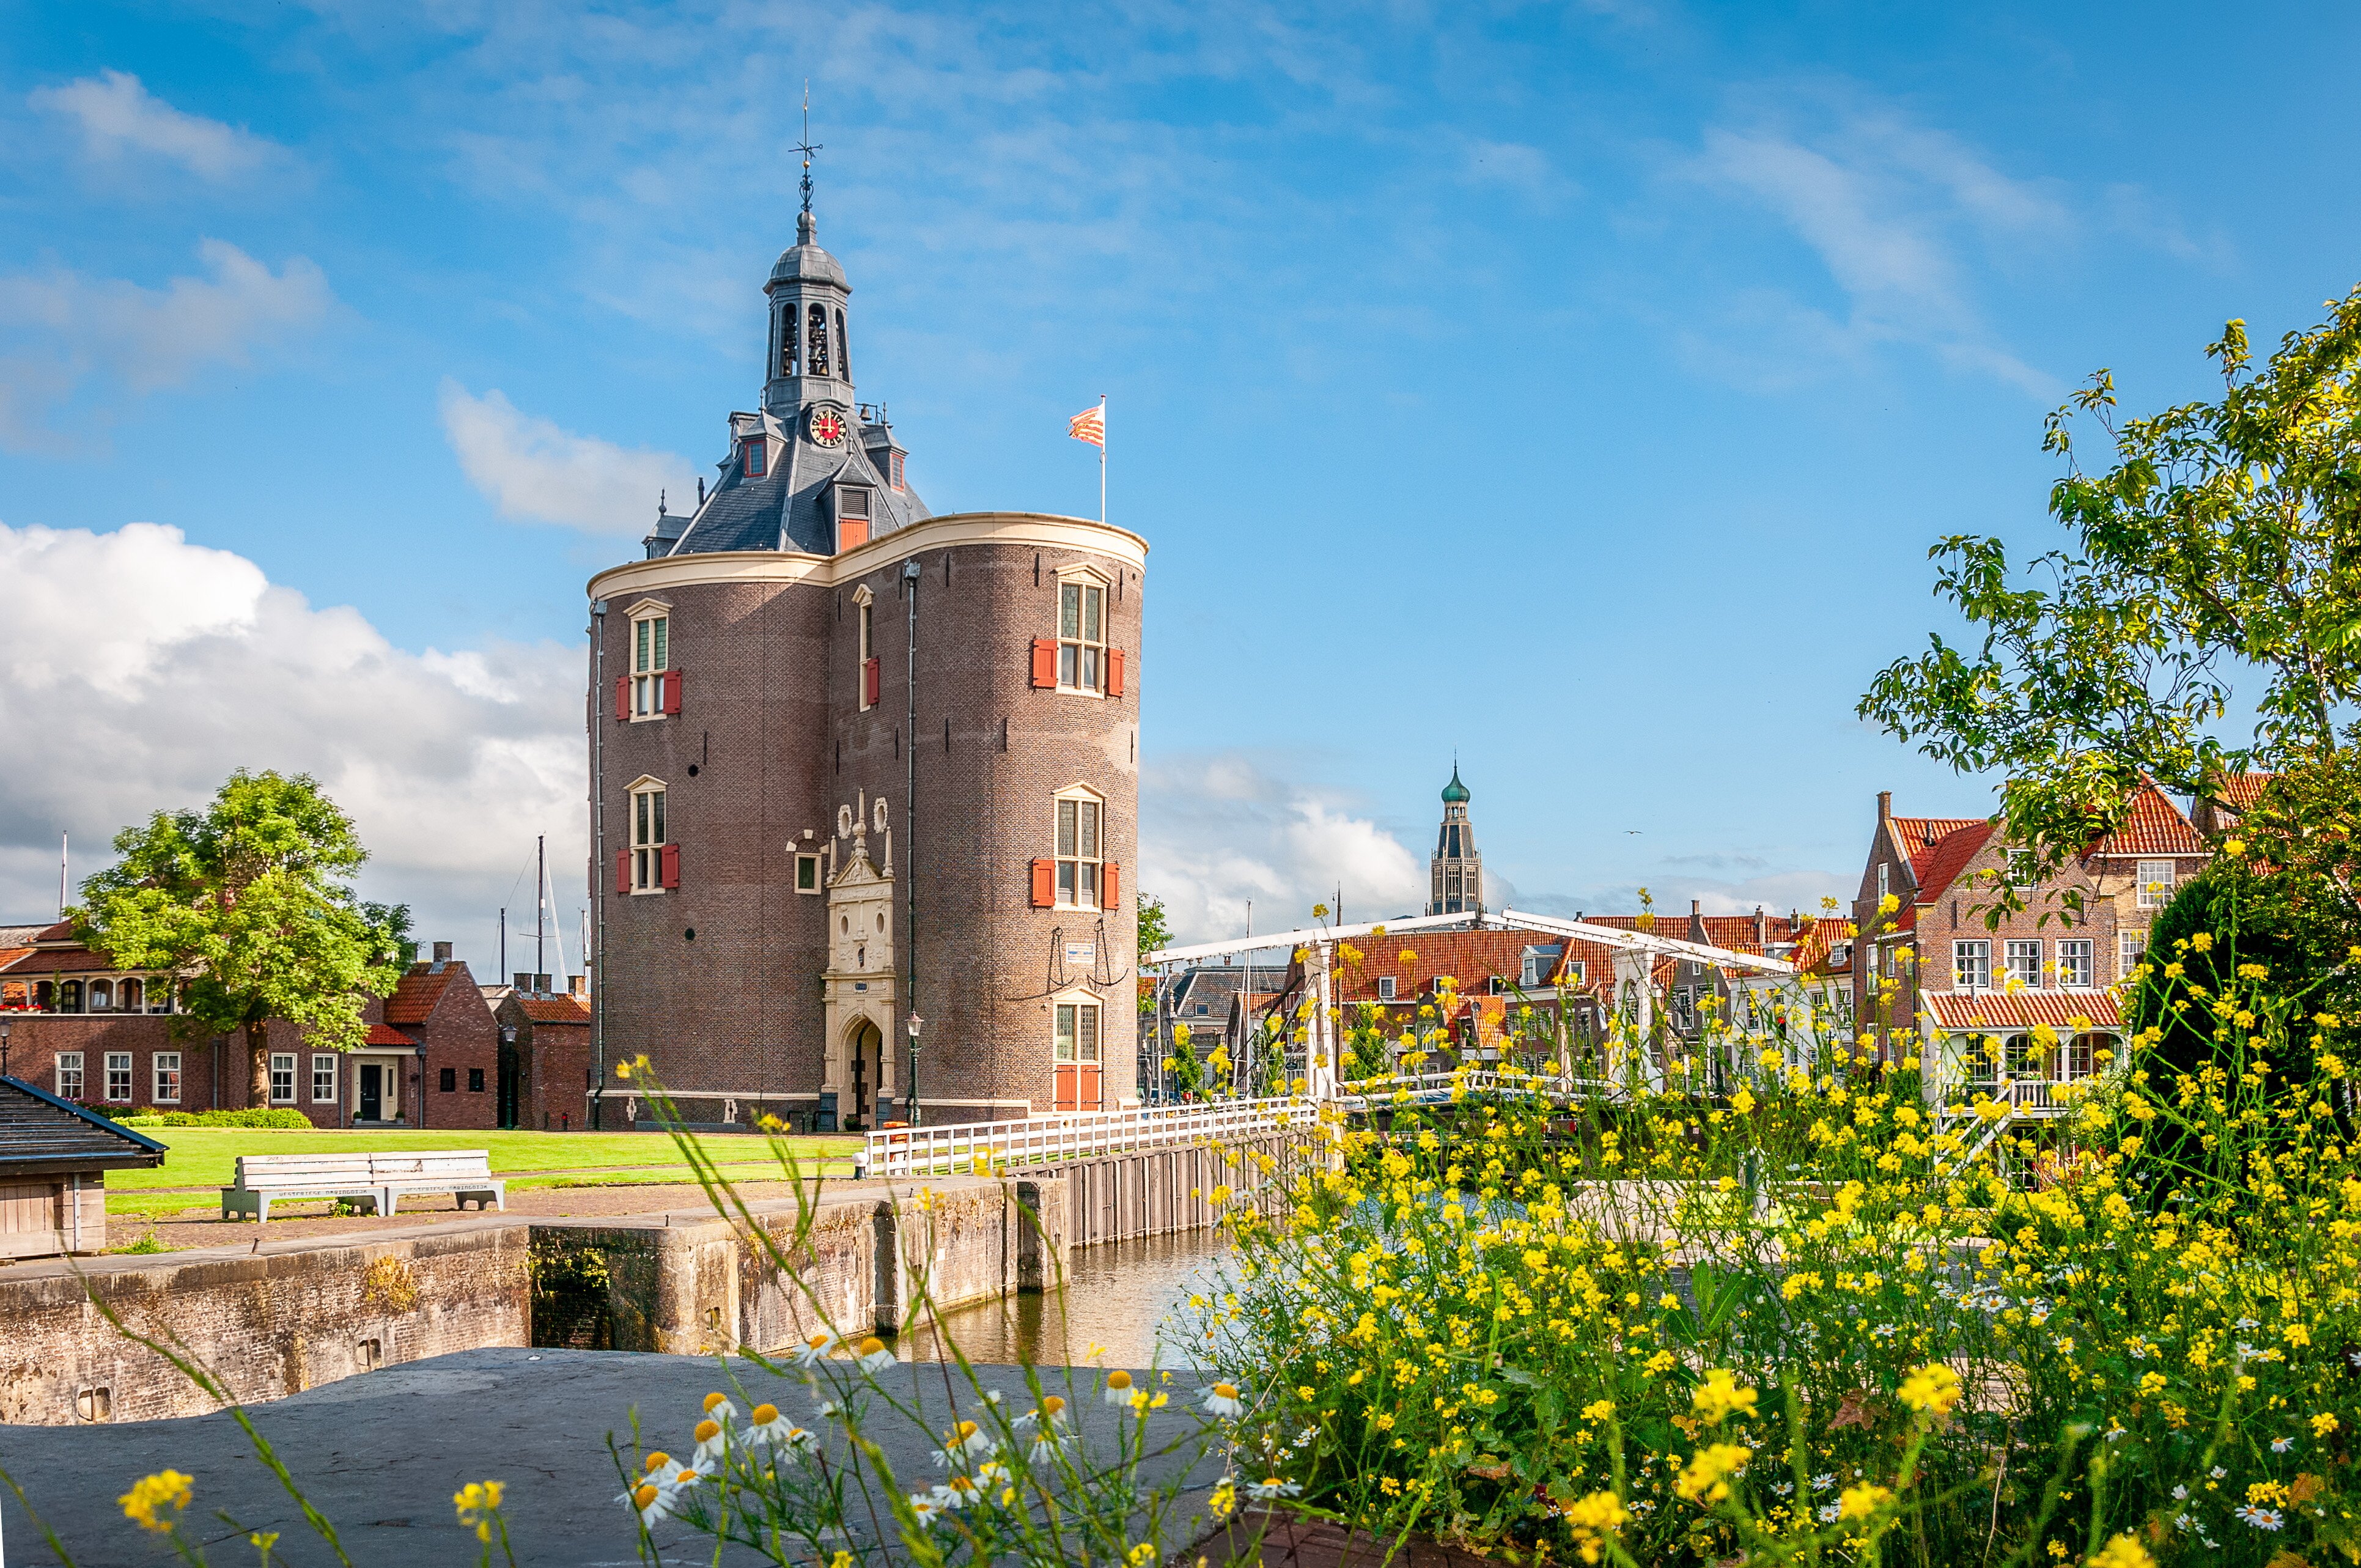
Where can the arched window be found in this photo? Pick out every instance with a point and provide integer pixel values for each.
(70, 996)
(2083, 1054)
(45, 997)
(132, 997)
(787, 332)
(816, 340)
(843, 349)
(102, 996)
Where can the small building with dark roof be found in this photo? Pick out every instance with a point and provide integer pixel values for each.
(54, 1156)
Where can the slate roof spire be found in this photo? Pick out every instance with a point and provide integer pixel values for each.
(1456, 873)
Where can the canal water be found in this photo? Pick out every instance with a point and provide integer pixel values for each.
(1129, 1299)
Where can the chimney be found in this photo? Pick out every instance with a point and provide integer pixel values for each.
(540, 986)
(579, 987)
(1761, 929)
(1697, 907)
(442, 952)
(1885, 806)
(524, 981)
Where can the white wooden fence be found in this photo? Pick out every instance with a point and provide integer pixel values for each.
(976, 1147)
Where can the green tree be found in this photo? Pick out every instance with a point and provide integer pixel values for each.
(1154, 934)
(2215, 565)
(249, 901)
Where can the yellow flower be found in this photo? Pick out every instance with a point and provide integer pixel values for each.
(2323, 1425)
(478, 1502)
(1860, 1502)
(1719, 1397)
(1597, 1410)
(165, 1489)
(2122, 1553)
(1599, 1515)
(2233, 847)
(1705, 1478)
(1933, 1387)
(1743, 1102)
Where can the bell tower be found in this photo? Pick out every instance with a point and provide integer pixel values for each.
(1456, 873)
(810, 350)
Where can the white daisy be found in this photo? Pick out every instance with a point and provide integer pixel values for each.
(1046, 1447)
(992, 1473)
(2261, 1519)
(959, 1442)
(719, 1408)
(2181, 1493)
(816, 1348)
(712, 1442)
(1118, 1387)
(1222, 1399)
(927, 1506)
(957, 1493)
(2282, 1444)
(1271, 1487)
(875, 1356)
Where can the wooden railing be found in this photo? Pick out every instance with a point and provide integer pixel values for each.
(980, 1147)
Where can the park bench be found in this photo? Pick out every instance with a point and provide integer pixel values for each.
(378, 1180)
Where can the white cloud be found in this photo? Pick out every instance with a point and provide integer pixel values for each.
(1215, 832)
(117, 116)
(1892, 210)
(150, 668)
(531, 467)
(64, 327)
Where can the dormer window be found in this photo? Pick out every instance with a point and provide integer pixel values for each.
(755, 450)
(851, 516)
(894, 462)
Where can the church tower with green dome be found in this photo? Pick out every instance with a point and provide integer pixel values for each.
(1456, 884)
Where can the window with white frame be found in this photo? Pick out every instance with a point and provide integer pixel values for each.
(807, 873)
(118, 1077)
(2078, 968)
(283, 1078)
(1385, 988)
(870, 672)
(1683, 1011)
(2024, 964)
(1081, 635)
(651, 657)
(1077, 1043)
(1971, 965)
(69, 1075)
(1081, 853)
(1884, 880)
(2155, 884)
(102, 996)
(648, 838)
(168, 1078)
(2131, 947)
(323, 1078)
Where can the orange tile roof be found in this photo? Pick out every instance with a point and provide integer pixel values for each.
(554, 1009)
(1948, 857)
(2153, 826)
(414, 998)
(61, 932)
(2240, 791)
(380, 1034)
(1919, 835)
(1470, 957)
(1956, 1010)
(1819, 940)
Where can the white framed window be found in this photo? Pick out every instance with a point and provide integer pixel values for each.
(648, 840)
(807, 873)
(1077, 1039)
(2078, 967)
(2155, 884)
(1884, 880)
(1385, 988)
(1081, 848)
(1971, 965)
(118, 1077)
(871, 672)
(283, 1078)
(651, 657)
(69, 1075)
(168, 1078)
(102, 996)
(323, 1078)
(1081, 634)
(2131, 947)
(2025, 963)
(133, 994)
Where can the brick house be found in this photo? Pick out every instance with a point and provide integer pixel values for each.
(545, 1056)
(852, 762)
(1936, 983)
(84, 1029)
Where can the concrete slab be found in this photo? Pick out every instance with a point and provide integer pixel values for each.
(380, 1455)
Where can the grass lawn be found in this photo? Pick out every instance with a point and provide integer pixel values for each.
(207, 1156)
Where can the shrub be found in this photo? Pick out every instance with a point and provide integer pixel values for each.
(278, 1116)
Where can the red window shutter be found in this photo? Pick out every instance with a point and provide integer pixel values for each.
(1044, 662)
(622, 700)
(1045, 884)
(872, 680)
(623, 870)
(671, 865)
(852, 532)
(671, 691)
(1114, 671)
(1110, 885)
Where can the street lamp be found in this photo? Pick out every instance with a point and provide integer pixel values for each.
(915, 1021)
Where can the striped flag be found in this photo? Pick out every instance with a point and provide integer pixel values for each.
(1090, 425)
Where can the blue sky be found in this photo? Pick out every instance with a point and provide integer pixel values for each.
(1574, 388)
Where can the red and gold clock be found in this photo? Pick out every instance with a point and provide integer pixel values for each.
(827, 427)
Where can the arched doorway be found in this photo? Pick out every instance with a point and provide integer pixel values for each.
(866, 1049)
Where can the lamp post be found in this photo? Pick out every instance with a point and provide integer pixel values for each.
(420, 1079)
(501, 1077)
(915, 1021)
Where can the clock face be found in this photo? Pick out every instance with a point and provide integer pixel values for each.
(827, 427)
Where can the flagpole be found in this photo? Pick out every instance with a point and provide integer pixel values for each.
(1102, 457)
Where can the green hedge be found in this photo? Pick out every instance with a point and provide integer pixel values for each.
(276, 1116)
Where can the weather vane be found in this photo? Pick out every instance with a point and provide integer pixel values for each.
(805, 147)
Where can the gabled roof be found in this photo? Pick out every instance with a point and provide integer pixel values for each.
(1948, 857)
(2153, 825)
(40, 1133)
(386, 1034)
(553, 1009)
(1918, 836)
(418, 993)
(2240, 791)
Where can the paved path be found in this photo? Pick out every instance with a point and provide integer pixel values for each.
(380, 1455)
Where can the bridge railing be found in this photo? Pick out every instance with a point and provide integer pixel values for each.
(965, 1148)
(1426, 1088)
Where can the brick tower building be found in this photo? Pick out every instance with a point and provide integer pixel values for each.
(852, 762)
